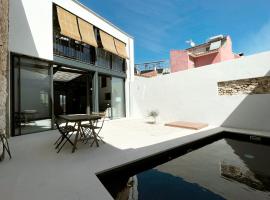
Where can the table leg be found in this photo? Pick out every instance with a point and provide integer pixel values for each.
(95, 136)
(82, 134)
(5, 145)
(76, 137)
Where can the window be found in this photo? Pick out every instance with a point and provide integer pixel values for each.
(62, 101)
(118, 63)
(31, 93)
(103, 58)
(118, 97)
(103, 81)
(124, 65)
(67, 47)
(215, 45)
(44, 97)
(108, 96)
(85, 49)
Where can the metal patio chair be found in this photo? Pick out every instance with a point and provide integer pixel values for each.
(5, 146)
(66, 133)
(96, 126)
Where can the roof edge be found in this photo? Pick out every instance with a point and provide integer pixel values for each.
(206, 43)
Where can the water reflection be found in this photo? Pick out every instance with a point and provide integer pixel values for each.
(244, 176)
(225, 169)
(256, 159)
(204, 167)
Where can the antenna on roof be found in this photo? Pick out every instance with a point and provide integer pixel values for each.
(191, 43)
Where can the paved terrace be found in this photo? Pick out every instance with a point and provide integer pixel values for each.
(37, 172)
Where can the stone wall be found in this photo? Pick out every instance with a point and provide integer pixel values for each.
(258, 85)
(3, 63)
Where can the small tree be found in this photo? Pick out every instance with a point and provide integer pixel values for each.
(154, 115)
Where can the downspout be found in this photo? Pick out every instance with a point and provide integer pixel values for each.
(129, 82)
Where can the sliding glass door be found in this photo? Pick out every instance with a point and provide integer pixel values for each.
(33, 81)
(32, 96)
(118, 97)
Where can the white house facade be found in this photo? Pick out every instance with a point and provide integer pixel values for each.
(65, 59)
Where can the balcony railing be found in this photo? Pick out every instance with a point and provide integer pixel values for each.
(69, 48)
(73, 49)
(154, 65)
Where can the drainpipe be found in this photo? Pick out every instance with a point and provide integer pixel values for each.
(129, 81)
(95, 92)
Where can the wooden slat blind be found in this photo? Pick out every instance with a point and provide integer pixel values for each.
(68, 24)
(87, 32)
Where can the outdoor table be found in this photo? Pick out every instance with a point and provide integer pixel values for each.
(78, 119)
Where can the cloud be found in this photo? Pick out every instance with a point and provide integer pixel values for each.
(151, 21)
(258, 41)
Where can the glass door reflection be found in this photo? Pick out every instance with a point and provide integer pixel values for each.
(32, 104)
(118, 98)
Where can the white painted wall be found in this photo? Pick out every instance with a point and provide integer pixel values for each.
(129, 79)
(192, 95)
(31, 30)
(31, 26)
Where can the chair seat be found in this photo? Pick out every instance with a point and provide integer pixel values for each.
(68, 129)
(90, 126)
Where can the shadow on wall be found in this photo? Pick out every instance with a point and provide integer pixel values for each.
(21, 37)
(252, 113)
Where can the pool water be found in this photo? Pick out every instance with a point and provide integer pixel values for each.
(224, 169)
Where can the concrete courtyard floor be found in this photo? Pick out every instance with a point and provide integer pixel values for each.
(37, 172)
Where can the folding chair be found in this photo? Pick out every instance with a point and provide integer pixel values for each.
(5, 147)
(66, 132)
(97, 125)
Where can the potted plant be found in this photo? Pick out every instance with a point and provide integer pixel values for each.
(154, 115)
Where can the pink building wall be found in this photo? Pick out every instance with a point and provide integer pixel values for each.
(226, 52)
(181, 60)
(207, 59)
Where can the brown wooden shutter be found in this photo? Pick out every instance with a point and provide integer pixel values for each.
(68, 24)
(121, 48)
(87, 33)
(108, 42)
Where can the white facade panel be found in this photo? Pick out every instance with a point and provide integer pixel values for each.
(192, 95)
(130, 78)
(31, 28)
(86, 14)
(31, 31)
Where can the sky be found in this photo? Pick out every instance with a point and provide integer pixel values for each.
(161, 25)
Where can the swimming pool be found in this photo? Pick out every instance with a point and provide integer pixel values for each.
(223, 166)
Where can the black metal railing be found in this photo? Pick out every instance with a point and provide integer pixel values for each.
(161, 66)
(70, 48)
